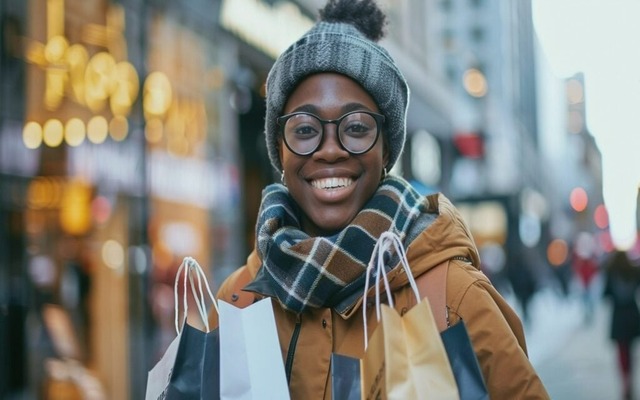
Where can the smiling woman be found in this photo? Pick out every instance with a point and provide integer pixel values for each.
(335, 124)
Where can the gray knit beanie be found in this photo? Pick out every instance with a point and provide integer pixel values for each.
(336, 46)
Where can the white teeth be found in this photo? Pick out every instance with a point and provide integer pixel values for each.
(331, 183)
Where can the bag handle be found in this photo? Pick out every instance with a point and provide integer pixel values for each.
(383, 244)
(187, 268)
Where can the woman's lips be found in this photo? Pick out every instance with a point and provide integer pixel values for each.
(332, 183)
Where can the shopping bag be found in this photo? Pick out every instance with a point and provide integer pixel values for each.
(405, 357)
(456, 340)
(345, 377)
(251, 365)
(345, 370)
(189, 368)
(464, 363)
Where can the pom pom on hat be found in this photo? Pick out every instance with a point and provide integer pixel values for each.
(343, 41)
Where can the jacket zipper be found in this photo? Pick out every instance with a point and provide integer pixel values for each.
(292, 348)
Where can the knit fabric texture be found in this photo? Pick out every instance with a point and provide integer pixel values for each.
(305, 272)
(340, 48)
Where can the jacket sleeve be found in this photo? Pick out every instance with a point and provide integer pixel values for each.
(497, 336)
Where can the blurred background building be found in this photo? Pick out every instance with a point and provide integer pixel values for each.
(131, 137)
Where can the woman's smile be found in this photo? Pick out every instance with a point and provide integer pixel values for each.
(335, 183)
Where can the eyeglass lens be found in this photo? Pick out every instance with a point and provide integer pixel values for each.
(357, 132)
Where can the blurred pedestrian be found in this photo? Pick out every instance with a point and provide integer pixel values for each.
(621, 287)
(586, 270)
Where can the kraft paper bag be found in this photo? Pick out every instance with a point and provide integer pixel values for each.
(405, 358)
(251, 365)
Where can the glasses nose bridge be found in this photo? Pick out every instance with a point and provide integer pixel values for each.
(324, 137)
(325, 122)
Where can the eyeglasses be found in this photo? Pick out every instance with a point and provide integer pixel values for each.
(357, 131)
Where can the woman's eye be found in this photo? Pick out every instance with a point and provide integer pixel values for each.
(305, 130)
(357, 129)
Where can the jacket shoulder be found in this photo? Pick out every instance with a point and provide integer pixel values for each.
(231, 292)
(496, 333)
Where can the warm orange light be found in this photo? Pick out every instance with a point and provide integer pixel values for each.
(157, 95)
(557, 252)
(475, 82)
(75, 214)
(119, 128)
(578, 199)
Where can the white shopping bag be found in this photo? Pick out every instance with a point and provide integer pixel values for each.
(160, 375)
(251, 365)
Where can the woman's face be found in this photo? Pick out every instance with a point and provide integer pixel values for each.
(331, 185)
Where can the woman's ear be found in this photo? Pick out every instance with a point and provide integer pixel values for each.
(385, 154)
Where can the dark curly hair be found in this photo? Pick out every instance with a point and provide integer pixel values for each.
(365, 15)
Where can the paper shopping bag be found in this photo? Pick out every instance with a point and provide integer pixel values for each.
(345, 377)
(405, 358)
(189, 368)
(251, 365)
(464, 363)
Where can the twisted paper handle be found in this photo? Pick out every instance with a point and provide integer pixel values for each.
(384, 242)
(187, 268)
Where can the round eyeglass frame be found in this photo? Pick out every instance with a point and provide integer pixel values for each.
(282, 120)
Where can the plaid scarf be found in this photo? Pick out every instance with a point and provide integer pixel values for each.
(303, 271)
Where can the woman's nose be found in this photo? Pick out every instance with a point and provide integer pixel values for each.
(330, 149)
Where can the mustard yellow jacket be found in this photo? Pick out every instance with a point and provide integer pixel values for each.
(496, 332)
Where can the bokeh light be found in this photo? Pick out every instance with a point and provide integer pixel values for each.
(113, 255)
(32, 135)
(601, 217)
(579, 199)
(97, 129)
(118, 128)
(557, 252)
(53, 133)
(474, 82)
(157, 94)
(74, 132)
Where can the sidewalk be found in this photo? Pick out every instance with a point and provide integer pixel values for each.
(575, 359)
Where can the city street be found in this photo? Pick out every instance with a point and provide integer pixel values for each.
(574, 358)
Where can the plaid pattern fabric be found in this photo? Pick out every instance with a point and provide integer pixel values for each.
(303, 271)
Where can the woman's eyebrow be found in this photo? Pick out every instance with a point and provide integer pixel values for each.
(310, 108)
(354, 107)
